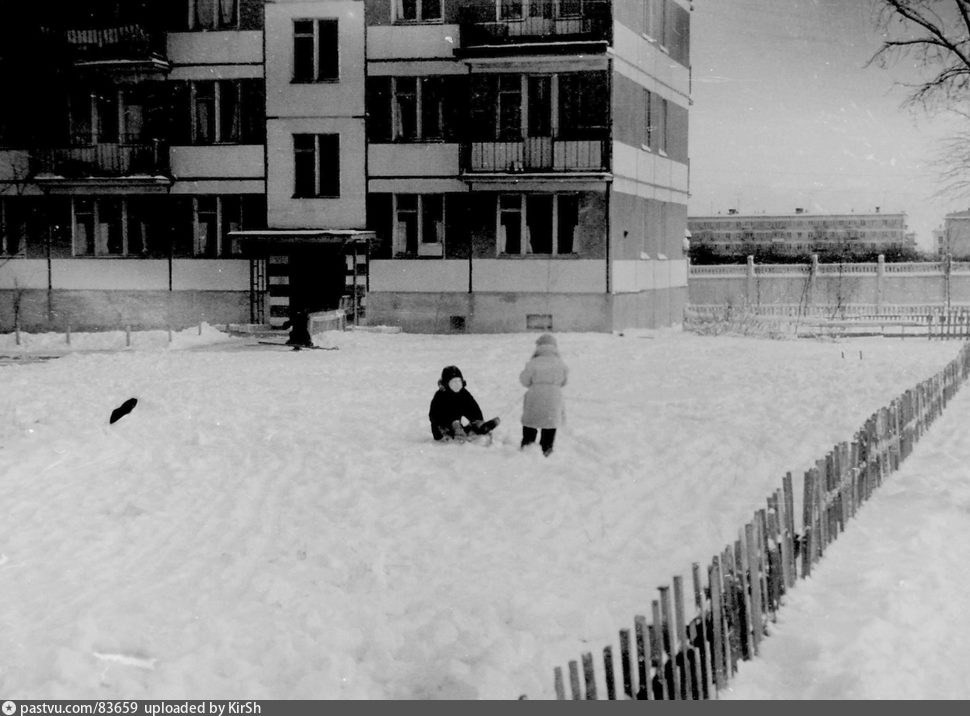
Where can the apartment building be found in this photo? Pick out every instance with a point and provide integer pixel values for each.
(953, 239)
(801, 232)
(485, 165)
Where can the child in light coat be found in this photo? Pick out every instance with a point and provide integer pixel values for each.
(544, 375)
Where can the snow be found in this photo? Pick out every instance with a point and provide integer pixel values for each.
(276, 524)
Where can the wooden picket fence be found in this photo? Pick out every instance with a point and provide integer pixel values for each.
(795, 321)
(676, 653)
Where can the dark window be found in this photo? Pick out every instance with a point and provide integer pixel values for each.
(84, 227)
(538, 214)
(583, 105)
(230, 112)
(108, 120)
(209, 15)
(379, 109)
(432, 218)
(329, 164)
(303, 51)
(568, 220)
(253, 106)
(510, 223)
(204, 105)
(206, 226)
(540, 106)
(405, 108)
(316, 50)
(509, 107)
(316, 165)
(328, 54)
(510, 9)
(407, 222)
(110, 238)
(432, 107)
(304, 149)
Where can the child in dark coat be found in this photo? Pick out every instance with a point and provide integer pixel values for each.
(452, 404)
(299, 325)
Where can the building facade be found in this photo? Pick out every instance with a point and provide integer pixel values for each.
(954, 238)
(479, 165)
(801, 233)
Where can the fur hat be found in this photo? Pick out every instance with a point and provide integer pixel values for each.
(546, 339)
(449, 372)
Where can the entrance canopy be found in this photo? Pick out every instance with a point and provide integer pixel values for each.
(263, 241)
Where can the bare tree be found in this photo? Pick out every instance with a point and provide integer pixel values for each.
(934, 36)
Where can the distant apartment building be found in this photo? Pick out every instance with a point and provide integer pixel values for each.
(479, 165)
(954, 238)
(801, 232)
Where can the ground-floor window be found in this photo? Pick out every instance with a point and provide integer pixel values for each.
(540, 224)
(215, 216)
(419, 224)
(136, 226)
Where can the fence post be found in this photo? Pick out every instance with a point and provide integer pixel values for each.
(703, 636)
(625, 662)
(560, 687)
(880, 280)
(643, 670)
(749, 284)
(681, 649)
(666, 628)
(718, 639)
(574, 681)
(590, 676)
(655, 633)
(608, 670)
(750, 556)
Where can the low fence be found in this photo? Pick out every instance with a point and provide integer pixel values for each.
(788, 320)
(939, 283)
(690, 650)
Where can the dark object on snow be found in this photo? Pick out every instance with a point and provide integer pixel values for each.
(451, 404)
(122, 410)
(299, 325)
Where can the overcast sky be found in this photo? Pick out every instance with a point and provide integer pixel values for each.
(786, 115)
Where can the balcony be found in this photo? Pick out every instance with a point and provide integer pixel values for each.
(128, 162)
(550, 26)
(538, 155)
(132, 50)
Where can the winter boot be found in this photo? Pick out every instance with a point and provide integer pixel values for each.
(484, 427)
(458, 431)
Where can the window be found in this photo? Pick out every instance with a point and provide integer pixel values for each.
(509, 110)
(99, 227)
(541, 224)
(656, 122)
(418, 110)
(584, 102)
(654, 19)
(510, 9)
(417, 10)
(213, 14)
(405, 108)
(419, 224)
(510, 224)
(316, 51)
(227, 111)
(316, 165)
(206, 226)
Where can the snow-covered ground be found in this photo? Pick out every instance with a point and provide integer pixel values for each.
(276, 524)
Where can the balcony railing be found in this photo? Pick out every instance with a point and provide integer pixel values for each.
(126, 43)
(103, 159)
(530, 21)
(537, 155)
